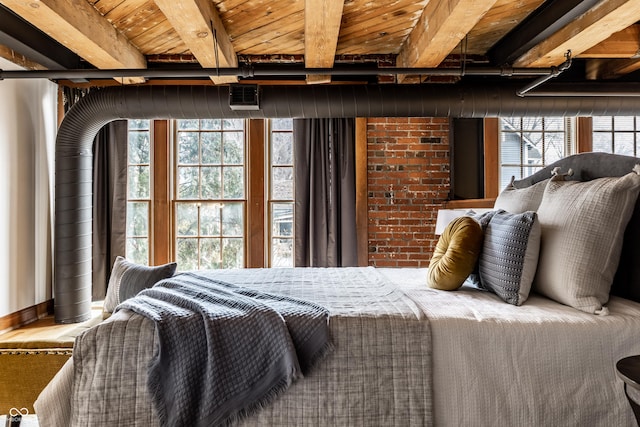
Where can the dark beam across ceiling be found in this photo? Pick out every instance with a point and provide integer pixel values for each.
(542, 23)
(35, 45)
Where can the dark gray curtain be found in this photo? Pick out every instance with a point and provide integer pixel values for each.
(109, 202)
(325, 201)
(109, 195)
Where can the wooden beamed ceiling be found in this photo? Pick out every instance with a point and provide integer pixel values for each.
(321, 31)
(77, 25)
(202, 31)
(127, 34)
(586, 31)
(439, 30)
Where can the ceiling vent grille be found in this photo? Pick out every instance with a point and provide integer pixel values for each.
(243, 97)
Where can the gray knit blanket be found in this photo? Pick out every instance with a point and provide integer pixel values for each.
(225, 351)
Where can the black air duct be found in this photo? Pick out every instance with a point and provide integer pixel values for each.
(73, 206)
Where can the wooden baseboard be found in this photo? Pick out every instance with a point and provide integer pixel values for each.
(25, 316)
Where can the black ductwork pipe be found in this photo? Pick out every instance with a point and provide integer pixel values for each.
(74, 174)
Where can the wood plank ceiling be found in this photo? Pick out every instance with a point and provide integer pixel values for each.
(604, 35)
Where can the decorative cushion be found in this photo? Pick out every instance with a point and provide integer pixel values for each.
(518, 200)
(582, 229)
(127, 279)
(509, 257)
(455, 254)
(483, 219)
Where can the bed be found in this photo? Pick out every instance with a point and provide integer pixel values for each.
(406, 354)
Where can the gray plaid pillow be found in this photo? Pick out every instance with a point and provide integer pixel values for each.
(128, 278)
(509, 256)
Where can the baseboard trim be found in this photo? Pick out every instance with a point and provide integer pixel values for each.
(25, 316)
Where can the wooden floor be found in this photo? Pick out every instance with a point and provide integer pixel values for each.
(46, 332)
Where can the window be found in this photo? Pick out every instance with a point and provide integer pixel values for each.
(618, 135)
(281, 192)
(528, 144)
(138, 191)
(208, 191)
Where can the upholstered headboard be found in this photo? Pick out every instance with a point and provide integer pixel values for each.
(588, 166)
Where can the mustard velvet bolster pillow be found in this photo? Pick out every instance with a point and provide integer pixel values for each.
(456, 254)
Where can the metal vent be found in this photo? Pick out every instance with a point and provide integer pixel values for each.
(244, 97)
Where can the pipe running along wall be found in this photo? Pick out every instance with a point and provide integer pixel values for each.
(74, 158)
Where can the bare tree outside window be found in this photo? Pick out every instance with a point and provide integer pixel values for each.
(281, 187)
(207, 192)
(527, 144)
(138, 191)
(617, 135)
(210, 194)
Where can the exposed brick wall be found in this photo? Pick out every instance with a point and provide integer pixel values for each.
(408, 181)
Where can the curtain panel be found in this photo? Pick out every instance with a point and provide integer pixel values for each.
(325, 193)
(109, 202)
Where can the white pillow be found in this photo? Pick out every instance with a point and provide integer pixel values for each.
(509, 256)
(518, 200)
(583, 224)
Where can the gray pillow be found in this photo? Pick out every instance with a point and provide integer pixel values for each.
(128, 278)
(483, 219)
(509, 256)
(583, 224)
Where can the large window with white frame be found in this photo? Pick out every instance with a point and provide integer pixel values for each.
(527, 144)
(208, 193)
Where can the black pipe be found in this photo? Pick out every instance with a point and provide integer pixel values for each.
(556, 71)
(253, 71)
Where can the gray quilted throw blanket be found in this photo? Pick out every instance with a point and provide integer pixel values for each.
(224, 351)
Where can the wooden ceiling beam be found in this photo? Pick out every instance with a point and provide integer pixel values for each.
(586, 31)
(605, 69)
(440, 28)
(623, 44)
(322, 21)
(541, 23)
(18, 59)
(202, 31)
(82, 29)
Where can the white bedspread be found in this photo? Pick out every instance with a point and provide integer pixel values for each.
(494, 364)
(541, 364)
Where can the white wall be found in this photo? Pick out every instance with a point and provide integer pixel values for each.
(28, 125)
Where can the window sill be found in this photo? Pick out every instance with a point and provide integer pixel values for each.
(470, 203)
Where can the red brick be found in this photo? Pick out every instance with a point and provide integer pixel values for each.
(408, 181)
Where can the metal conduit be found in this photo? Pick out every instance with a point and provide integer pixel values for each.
(74, 170)
(269, 71)
(555, 73)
